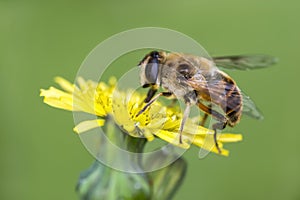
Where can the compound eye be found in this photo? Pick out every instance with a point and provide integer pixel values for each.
(185, 70)
(152, 69)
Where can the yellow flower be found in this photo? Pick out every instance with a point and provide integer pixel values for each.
(103, 100)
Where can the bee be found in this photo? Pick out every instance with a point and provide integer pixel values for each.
(198, 81)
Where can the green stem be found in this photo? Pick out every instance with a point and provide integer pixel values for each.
(103, 182)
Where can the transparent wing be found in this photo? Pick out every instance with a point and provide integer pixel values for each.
(227, 96)
(250, 109)
(244, 62)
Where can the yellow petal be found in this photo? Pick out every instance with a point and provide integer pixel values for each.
(148, 135)
(194, 129)
(82, 83)
(88, 125)
(172, 138)
(228, 137)
(207, 142)
(64, 84)
(58, 99)
(54, 93)
(57, 103)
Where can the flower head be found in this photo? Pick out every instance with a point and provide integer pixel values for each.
(104, 100)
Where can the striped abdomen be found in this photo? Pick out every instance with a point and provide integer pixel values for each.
(233, 100)
(222, 91)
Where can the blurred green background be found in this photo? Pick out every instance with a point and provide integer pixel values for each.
(41, 157)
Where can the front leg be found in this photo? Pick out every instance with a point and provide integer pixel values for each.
(165, 94)
(151, 93)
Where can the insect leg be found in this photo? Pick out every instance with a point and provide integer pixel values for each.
(151, 93)
(202, 123)
(186, 114)
(219, 125)
(166, 94)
